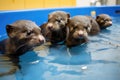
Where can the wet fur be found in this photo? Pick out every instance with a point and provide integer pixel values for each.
(104, 21)
(23, 35)
(89, 23)
(95, 26)
(75, 26)
(11, 62)
(54, 29)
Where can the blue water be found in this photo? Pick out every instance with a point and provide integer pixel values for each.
(99, 59)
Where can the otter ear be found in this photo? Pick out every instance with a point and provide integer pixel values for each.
(97, 17)
(91, 21)
(10, 29)
(68, 15)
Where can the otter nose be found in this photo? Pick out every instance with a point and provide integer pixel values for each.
(110, 22)
(41, 39)
(50, 26)
(80, 34)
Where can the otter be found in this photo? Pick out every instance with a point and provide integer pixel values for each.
(23, 35)
(104, 21)
(54, 29)
(76, 32)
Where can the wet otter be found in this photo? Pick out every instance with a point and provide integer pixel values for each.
(55, 28)
(104, 21)
(76, 32)
(23, 35)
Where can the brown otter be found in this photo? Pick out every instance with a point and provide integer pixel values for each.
(104, 21)
(76, 32)
(23, 35)
(55, 28)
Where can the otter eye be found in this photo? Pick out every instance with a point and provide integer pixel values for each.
(86, 27)
(106, 20)
(75, 27)
(58, 20)
(29, 32)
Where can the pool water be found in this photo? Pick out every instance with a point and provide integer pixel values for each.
(99, 59)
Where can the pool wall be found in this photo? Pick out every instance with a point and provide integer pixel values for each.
(40, 15)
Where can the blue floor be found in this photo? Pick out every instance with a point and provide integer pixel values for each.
(97, 60)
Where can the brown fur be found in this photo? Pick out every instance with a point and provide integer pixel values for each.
(23, 35)
(104, 21)
(76, 32)
(89, 23)
(95, 27)
(55, 29)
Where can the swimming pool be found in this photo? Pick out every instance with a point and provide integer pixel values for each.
(99, 59)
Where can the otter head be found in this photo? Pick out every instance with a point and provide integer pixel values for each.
(24, 33)
(77, 33)
(104, 21)
(57, 20)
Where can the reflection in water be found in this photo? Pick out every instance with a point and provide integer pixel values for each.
(55, 63)
(79, 55)
(7, 67)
